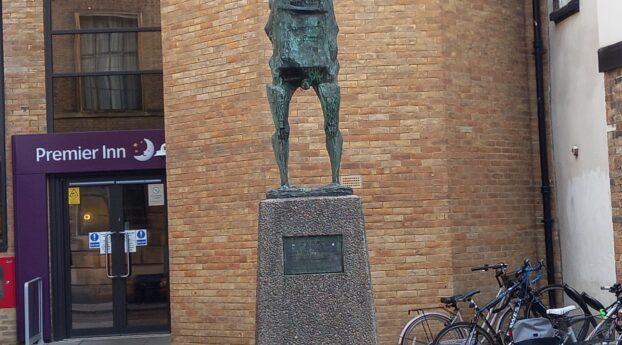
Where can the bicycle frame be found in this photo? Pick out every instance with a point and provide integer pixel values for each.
(523, 284)
(611, 311)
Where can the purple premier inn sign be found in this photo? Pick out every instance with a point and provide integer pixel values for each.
(93, 151)
(34, 157)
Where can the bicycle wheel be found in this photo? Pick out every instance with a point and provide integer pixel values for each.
(463, 333)
(503, 324)
(560, 295)
(556, 296)
(422, 329)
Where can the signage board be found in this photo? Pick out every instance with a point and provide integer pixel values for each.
(141, 237)
(92, 151)
(312, 254)
(130, 241)
(102, 240)
(156, 194)
(94, 239)
(74, 195)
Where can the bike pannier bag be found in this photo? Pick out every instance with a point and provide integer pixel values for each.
(536, 331)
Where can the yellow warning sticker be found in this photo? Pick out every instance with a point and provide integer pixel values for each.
(74, 196)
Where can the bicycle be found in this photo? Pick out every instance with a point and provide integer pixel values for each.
(422, 328)
(558, 295)
(608, 331)
(515, 296)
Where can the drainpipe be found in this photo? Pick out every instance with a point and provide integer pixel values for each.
(544, 160)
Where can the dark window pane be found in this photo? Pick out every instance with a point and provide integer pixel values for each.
(71, 116)
(91, 290)
(109, 52)
(153, 93)
(78, 53)
(65, 12)
(111, 93)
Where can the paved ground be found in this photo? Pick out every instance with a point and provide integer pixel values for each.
(159, 339)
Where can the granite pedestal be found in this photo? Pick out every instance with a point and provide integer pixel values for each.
(313, 279)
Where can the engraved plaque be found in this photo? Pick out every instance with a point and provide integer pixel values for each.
(313, 254)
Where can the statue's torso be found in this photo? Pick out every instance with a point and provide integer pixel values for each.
(303, 33)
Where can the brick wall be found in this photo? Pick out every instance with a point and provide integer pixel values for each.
(436, 118)
(8, 332)
(613, 99)
(24, 78)
(218, 164)
(491, 187)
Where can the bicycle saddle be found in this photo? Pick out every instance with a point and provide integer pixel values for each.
(561, 311)
(459, 298)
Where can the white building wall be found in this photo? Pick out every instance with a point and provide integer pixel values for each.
(609, 22)
(578, 118)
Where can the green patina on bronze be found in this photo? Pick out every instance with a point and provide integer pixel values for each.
(304, 40)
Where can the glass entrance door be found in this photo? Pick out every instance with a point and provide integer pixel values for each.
(118, 269)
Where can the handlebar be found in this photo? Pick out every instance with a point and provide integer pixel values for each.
(499, 268)
(516, 283)
(528, 269)
(488, 267)
(615, 288)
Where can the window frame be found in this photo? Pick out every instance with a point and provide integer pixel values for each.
(50, 74)
(560, 13)
(78, 57)
(556, 5)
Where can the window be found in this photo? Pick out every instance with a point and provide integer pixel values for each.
(563, 9)
(557, 4)
(116, 51)
(104, 65)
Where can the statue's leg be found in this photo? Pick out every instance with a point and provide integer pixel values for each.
(279, 97)
(330, 97)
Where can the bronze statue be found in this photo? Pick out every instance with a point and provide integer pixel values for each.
(304, 40)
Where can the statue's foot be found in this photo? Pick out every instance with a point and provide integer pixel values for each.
(333, 185)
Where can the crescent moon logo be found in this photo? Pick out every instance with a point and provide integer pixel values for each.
(147, 154)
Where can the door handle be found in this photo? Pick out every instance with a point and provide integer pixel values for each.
(126, 245)
(106, 243)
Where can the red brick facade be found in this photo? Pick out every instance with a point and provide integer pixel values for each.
(437, 117)
(613, 95)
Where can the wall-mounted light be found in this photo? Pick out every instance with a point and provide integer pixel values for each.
(575, 151)
(87, 216)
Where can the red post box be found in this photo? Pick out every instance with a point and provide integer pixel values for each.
(7, 282)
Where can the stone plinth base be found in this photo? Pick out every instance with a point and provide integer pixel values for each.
(297, 192)
(296, 303)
